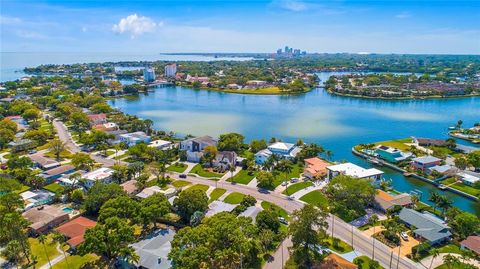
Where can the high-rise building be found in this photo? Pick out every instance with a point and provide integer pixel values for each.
(286, 49)
(170, 70)
(279, 51)
(148, 74)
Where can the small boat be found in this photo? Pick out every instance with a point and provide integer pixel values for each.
(452, 128)
(407, 174)
(442, 187)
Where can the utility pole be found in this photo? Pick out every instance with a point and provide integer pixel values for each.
(352, 234)
(391, 257)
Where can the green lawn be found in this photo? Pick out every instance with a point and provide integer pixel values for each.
(399, 143)
(180, 183)
(22, 189)
(63, 155)
(315, 198)
(450, 248)
(110, 152)
(234, 198)
(363, 262)
(177, 167)
(339, 246)
(456, 266)
(75, 261)
(281, 212)
(54, 187)
(448, 181)
(242, 177)
(467, 189)
(199, 187)
(198, 169)
(216, 193)
(40, 252)
(296, 187)
(296, 171)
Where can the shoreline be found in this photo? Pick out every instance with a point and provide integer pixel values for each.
(431, 97)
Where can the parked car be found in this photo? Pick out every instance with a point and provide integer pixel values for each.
(32, 151)
(294, 180)
(404, 236)
(283, 220)
(182, 176)
(290, 198)
(285, 183)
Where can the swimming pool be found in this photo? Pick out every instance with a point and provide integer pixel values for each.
(67, 210)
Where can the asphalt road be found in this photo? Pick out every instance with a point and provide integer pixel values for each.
(341, 229)
(64, 136)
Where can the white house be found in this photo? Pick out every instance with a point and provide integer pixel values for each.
(103, 174)
(469, 178)
(194, 147)
(132, 139)
(160, 144)
(280, 149)
(353, 170)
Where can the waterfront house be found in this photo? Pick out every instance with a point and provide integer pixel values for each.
(425, 162)
(353, 170)
(57, 172)
(96, 119)
(315, 168)
(426, 142)
(385, 201)
(74, 230)
(153, 250)
(224, 160)
(103, 175)
(280, 149)
(426, 226)
(132, 139)
(469, 178)
(43, 162)
(443, 169)
(256, 83)
(472, 243)
(44, 218)
(32, 198)
(160, 144)
(106, 127)
(194, 147)
(392, 155)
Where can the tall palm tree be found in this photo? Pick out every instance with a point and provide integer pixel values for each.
(62, 241)
(444, 203)
(329, 154)
(435, 252)
(434, 198)
(415, 200)
(42, 238)
(450, 261)
(129, 255)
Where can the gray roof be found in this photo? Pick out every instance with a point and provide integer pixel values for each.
(153, 250)
(251, 211)
(426, 159)
(206, 139)
(428, 226)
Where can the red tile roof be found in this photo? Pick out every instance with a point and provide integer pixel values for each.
(97, 116)
(472, 242)
(75, 229)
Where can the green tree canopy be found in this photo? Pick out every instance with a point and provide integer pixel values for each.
(190, 201)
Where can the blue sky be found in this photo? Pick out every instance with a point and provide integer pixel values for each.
(240, 26)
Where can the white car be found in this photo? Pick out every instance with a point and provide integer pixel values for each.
(404, 236)
(285, 183)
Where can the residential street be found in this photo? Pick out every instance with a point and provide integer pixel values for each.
(342, 230)
(65, 136)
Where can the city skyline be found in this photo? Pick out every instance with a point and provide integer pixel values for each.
(416, 27)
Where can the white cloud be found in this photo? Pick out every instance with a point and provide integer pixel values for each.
(403, 15)
(135, 25)
(6, 20)
(84, 29)
(30, 34)
(291, 5)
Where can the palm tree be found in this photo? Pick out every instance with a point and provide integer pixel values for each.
(415, 200)
(444, 203)
(450, 261)
(57, 147)
(285, 166)
(148, 125)
(232, 170)
(435, 252)
(129, 254)
(42, 239)
(329, 154)
(62, 241)
(434, 198)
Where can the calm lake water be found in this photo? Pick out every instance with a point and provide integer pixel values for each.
(337, 123)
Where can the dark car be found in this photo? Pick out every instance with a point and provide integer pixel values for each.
(182, 176)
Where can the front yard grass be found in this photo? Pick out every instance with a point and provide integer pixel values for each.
(280, 211)
(40, 252)
(448, 181)
(75, 261)
(242, 177)
(199, 170)
(337, 245)
(465, 188)
(215, 194)
(363, 262)
(315, 198)
(296, 187)
(201, 187)
(63, 155)
(22, 189)
(399, 143)
(55, 188)
(177, 167)
(180, 183)
(234, 198)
